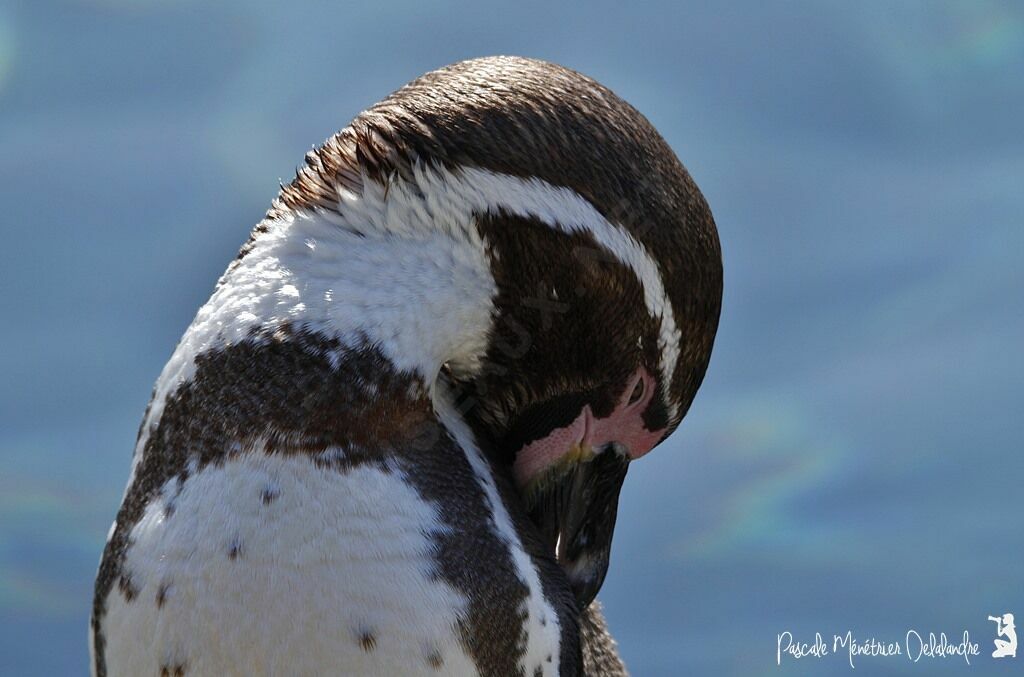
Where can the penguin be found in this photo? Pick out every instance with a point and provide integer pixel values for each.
(392, 441)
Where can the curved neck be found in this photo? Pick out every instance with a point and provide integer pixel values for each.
(421, 296)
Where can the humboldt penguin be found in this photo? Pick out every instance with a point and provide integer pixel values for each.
(392, 441)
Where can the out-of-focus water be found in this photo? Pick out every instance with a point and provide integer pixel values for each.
(854, 460)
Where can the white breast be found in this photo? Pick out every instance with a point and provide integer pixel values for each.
(271, 565)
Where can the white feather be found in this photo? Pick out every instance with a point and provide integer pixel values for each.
(334, 555)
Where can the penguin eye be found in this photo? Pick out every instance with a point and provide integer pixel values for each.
(638, 392)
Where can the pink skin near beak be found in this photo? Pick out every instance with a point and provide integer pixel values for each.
(624, 425)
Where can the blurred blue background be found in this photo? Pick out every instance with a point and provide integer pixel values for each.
(854, 460)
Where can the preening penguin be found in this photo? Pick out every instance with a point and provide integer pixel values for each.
(392, 441)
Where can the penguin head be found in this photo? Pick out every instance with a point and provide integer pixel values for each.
(573, 387)
(581, 378)
(606, 267)
(608, 279)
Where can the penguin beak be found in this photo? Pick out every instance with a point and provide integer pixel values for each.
(574, 505)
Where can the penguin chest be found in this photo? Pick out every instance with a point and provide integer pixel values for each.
(272, 564)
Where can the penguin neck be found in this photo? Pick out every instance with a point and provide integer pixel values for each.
(420, 295)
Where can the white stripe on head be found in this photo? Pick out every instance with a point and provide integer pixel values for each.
(568, 211)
